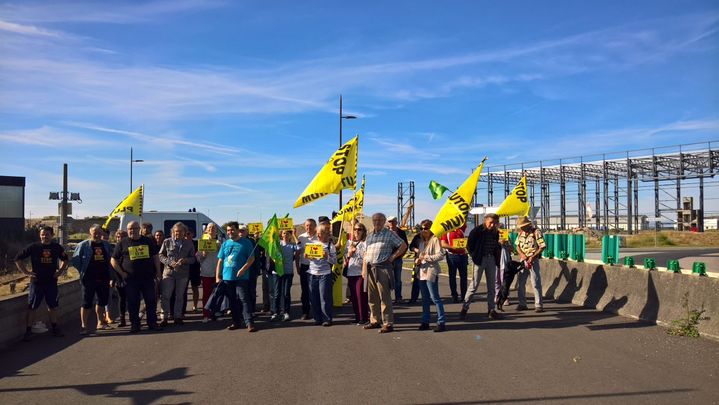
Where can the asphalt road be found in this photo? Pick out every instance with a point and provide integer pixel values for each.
(566, 355)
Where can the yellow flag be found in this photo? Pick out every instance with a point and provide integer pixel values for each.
(454, 211)
(516, 203)
(131, 204)
(352, 208)
(339, 173)
(337, 291)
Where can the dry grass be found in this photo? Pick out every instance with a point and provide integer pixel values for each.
(21, 286)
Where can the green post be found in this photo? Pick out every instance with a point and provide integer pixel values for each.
(610, 249)
(650, 264)
(673, 266)
(629, 261)
(548, 253)
(560, 246)
(699, 268)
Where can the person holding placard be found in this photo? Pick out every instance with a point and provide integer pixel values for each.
(206, 255)
(321, 256)
(457, 261)
(282, 284)
(135, 259)
(303, 264)
(430, 254)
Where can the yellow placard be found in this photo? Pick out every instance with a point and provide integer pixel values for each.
(459, 243)
(139, 252)
(285, 223)
(504, 234)
(207, 245)
(255, 227)
(314, 250)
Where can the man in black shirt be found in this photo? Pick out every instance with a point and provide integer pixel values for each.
(483, 245)
(49, 261)
(135, 260)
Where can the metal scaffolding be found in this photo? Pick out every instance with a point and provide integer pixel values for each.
(405, 203)
(616, 179)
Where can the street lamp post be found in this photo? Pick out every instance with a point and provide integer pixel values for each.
(343, 117)
(131, 162)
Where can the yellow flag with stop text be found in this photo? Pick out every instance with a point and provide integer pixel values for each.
(453, 213)
(131, 204)
(339, 173)
(516, 203)
(353, 206)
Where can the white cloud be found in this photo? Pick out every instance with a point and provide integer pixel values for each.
(27, 29)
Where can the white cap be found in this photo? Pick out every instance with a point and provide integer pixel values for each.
(392, 219)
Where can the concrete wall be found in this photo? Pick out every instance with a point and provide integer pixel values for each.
(14, 307)
(654, 296)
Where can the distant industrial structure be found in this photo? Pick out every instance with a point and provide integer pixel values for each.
(607, 188)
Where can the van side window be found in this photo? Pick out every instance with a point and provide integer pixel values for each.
(168, 224)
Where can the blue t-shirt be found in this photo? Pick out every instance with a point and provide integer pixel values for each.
(234, 255)
(288, 257)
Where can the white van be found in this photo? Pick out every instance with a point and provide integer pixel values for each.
(164, 220)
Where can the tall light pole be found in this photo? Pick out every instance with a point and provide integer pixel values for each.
(343, 117)
(131, 162)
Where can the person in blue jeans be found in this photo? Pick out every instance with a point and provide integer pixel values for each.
(430, 253)
(457, 262)
(234, 261)
(397, 263)
(320, 273)
(281, 285)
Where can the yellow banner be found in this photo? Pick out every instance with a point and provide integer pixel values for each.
(503, 234)
(139, 252)
(314, 250)
(207, 245)
(339, 173)
(131, 204)
(459, 243)
(453, 213)
(285, 223)
(353, 207)
(516, 203)
(254, 227)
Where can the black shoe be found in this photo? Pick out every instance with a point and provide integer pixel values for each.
(493, 315)
(134, 328)
(179, 322)
(423, 326)
(57, 332)
(521, 307)
(305, 317)
(233, 327)
(440, 328)
(463, 314)
(328, 323)
(455, 300)
(163, 323)
(155, 328)
(27, 336)
(122, 323)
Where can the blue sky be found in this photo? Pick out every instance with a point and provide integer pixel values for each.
(234, 105)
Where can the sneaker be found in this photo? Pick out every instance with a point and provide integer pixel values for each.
(463, 314)
(84, 332)
(327, 323)
(521, 307)
(39, 327)
(27, 336)
(233, 327)
(538, 309)
(251, 328)
(205, 320)
(134, 328)
(423, 326)
(455, 300)
(305, 317)
(274, 317)
(286, 317)
(122, 323)
(163, 323)
(179, 322)
(493, 315)
(440, 328)
(154, 328)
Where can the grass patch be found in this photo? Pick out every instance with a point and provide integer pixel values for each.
(689, 325)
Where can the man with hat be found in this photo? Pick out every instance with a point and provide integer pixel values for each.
(397, 263)
(530, 244)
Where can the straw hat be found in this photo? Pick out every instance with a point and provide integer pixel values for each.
(522, 222)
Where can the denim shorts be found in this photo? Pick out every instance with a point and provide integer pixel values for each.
(40, 291)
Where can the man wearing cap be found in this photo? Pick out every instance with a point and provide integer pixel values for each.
(483, 245)
(383, 247)
(397, 263)
(530, 244)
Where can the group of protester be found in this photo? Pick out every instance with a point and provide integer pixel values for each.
(148, 267)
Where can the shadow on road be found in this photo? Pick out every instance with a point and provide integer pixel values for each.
(119, 389)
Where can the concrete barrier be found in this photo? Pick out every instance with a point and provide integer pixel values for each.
(653, 296)
(14, 307)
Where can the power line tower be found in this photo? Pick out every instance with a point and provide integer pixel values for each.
(405, 204)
